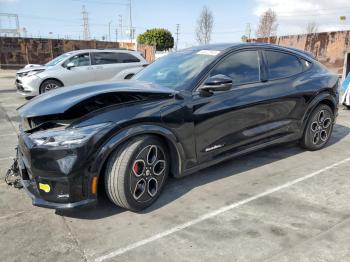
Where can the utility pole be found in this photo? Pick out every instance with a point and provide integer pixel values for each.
(86, 29)
(177, 36)
(116, 34)
(130, 21)
(109, 31)
(248, 31)
(121, 26)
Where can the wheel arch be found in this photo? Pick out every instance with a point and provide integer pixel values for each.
(49, 78)
(322, 98)
(175, 149)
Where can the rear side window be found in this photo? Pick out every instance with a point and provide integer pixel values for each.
(103, 58)
(128, 58)
(281, 65)
(242, 67)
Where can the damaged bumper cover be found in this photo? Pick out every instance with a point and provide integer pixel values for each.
(55, 177)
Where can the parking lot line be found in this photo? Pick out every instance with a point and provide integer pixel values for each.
(214, 213)
(6, 158)
(9, 134)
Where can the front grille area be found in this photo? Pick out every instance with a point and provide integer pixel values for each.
(19, 85)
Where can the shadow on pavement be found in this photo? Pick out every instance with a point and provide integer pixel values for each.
(176, 188)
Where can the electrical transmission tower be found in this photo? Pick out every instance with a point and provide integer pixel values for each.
(8, 29)
(177, 36)
(86, 29)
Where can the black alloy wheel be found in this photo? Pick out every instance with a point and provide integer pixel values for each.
(319, 128)
(136, 173)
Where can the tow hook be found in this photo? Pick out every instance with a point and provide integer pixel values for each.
(13, 175)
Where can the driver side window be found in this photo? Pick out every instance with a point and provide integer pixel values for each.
(78, 60)
(242, 67)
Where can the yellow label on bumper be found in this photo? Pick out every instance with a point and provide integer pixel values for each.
(44, 187)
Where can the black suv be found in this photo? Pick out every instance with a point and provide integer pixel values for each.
(186, 111)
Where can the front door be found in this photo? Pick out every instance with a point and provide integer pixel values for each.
(229, 120)
(82, 72)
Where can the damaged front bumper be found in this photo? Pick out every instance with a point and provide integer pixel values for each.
(54, 178)
(28, 85)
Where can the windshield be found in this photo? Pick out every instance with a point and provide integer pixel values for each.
(58, 59)
(176, 70)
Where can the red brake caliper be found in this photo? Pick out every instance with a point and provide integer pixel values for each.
(136, 168)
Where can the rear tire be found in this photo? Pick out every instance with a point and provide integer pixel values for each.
(136, 173)
(318, 129)
(49, 85)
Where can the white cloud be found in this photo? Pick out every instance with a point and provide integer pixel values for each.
(294, 15)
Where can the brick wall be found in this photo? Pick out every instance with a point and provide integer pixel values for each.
(330, 48)
(15, 52)
(147, 51)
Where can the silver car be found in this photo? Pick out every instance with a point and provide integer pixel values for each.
(78, 67)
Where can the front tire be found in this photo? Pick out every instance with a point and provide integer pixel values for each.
(136, 173)
(318, 129)
(49, 85)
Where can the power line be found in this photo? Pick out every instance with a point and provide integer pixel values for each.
(100, 2)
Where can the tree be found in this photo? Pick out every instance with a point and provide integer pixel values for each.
(161, 38)
(204, 26)
(312, 28)
(267, 25)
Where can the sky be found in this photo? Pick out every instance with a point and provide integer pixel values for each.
(49, 18)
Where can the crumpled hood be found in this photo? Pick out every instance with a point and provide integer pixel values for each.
(32, 68)
(60, 100)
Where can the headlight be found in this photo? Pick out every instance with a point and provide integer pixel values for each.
(34, 72)
(66, 137)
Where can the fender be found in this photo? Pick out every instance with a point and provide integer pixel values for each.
(177, 154)
(326, 97)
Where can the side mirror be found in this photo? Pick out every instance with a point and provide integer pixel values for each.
(217, 83)
(70, 65)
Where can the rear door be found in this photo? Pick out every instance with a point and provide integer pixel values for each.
(108, 64)
(285, 81)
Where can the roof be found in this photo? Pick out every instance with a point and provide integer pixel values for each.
(228, 46)
(218, 47)
(102, 50)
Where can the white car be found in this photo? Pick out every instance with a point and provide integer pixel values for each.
(77, 67)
